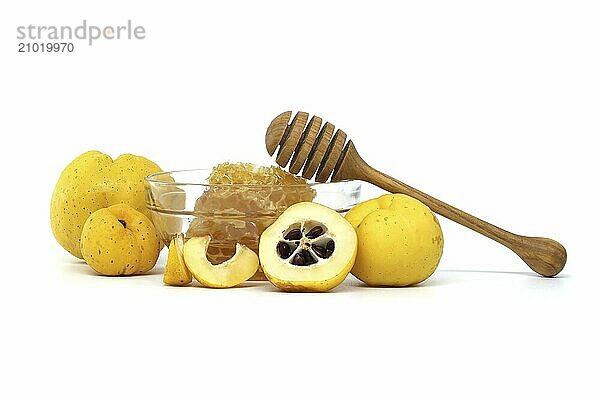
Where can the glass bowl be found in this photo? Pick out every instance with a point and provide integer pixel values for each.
(184, 202)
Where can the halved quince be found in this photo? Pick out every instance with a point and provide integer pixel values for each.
(229, 273)
(176, 272)
(309, 248)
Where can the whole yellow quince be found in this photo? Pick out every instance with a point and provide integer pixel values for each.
(400, 241)
(93, 181)
(119, 240)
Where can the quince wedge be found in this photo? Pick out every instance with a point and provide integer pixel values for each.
(176, 272)
(232, 272)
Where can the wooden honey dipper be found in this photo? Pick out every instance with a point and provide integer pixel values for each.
(324, 152)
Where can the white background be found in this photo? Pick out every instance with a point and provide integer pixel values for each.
(492, 106)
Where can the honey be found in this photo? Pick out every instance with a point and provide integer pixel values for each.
(242, 201)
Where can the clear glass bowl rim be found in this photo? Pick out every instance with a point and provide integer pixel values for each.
(152, 179)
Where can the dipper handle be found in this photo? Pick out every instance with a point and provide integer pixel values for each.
(545, 256)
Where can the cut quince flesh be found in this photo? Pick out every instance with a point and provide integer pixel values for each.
(229, 273)
(309, 248)
(176, 272)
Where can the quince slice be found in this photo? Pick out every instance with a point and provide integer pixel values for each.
(176, 272)
(229, 273)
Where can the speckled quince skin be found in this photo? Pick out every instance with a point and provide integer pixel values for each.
(119, 240)
(400, 241)
(93, 181)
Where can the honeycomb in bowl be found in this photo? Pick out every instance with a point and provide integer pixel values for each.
(242, 201)
(250, 174)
